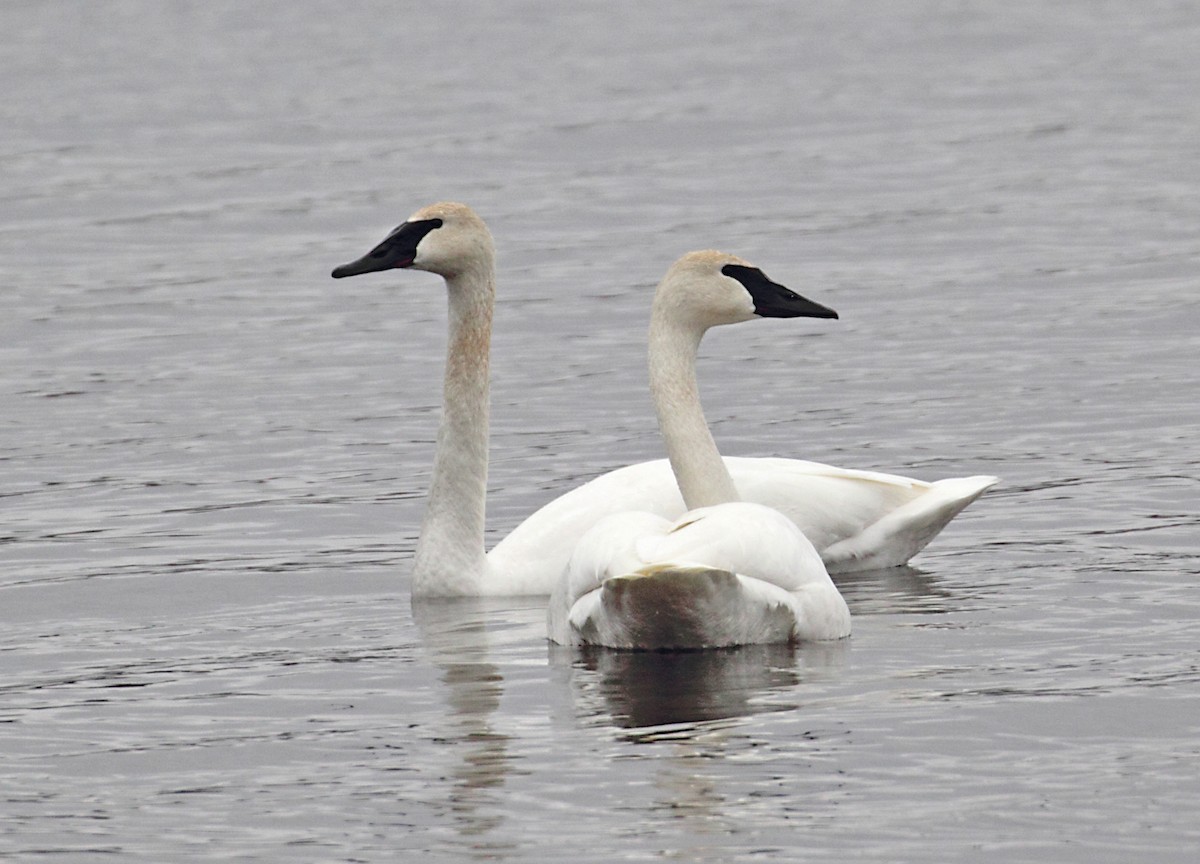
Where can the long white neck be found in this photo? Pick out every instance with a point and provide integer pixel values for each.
(450, 556)
(699, 470)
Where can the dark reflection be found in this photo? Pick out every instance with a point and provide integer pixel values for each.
(895, 590)
(454, 633)
(640, 689)
(645, 688)
(688, 706)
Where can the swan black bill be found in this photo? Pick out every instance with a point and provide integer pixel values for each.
(772, 300)
(398, 250)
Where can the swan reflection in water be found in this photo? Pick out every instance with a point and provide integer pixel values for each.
(455, 636)
(639, 689)
(688, 711)
(646, 690)
(693, 703)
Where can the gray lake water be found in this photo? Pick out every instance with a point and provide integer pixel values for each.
(213, 457)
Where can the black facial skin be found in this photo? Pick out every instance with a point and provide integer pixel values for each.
(772, 300)
(398, 249)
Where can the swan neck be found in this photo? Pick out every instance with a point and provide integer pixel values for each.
(699, 470)
(450, 557)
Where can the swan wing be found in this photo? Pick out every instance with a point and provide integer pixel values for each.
(901, 533)
(857, 519)
(829, 504)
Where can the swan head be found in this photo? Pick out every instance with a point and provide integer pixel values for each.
(445, 238)
(708, 288)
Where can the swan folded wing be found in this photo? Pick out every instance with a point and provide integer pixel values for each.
(777, 464)
(829, 504)
(905, 531)
(859, 520)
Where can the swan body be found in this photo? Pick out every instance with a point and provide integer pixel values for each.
(857, 519)
(733, 574)
(727, 572)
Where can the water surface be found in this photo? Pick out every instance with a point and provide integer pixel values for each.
(213, 458)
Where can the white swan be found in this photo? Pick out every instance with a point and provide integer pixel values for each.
(857, 519)
(729, 572)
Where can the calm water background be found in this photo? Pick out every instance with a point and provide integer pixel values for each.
(213, 457)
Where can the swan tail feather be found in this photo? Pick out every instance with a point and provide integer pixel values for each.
(667, 607)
